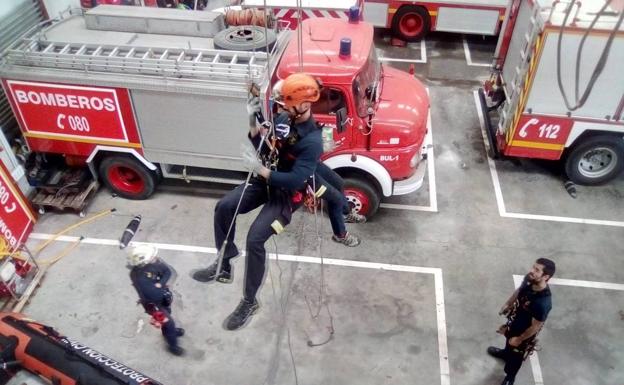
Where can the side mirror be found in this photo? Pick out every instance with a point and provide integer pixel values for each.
(341, 120)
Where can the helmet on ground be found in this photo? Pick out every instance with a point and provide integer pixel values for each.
(299, 88)
(142, 254)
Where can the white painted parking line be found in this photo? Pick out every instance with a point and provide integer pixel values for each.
(423, 56)
(499, 194)
(436, 272)
(469, 56)
(535, 365)
(577, 283)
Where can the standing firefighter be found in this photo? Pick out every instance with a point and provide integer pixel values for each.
(149, 276)
(526, 310)
(274, 187)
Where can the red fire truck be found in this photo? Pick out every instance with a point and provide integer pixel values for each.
(411, 20)
(152, 97)
(558, 87)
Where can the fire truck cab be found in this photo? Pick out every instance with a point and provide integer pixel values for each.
(138, 94)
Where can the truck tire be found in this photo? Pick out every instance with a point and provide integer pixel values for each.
(411, 23)
(128, 177)
(362, 195)
(595, 160)
(244, 38)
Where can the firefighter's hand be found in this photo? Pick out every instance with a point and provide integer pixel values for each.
(253, 107)
(250, 159)
(514, 342)
(504, 310)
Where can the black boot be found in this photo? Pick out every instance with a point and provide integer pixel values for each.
(508, 381)
(175, 350)
(179, 332)
(241, 315)
(208, 274)
(496, 352)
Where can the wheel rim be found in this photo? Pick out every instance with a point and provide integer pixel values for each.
(411, 24)
(358, 199)
(243, 35)
(597, 162)
(126, 179)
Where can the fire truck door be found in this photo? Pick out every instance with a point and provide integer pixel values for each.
(324, 111)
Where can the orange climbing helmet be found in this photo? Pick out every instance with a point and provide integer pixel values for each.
(298, 88)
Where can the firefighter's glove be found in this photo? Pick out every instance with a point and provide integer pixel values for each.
(250, 159)
(253, 108)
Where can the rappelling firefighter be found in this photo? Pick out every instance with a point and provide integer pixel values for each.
(276, 185)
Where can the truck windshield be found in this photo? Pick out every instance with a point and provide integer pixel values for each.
(366, 84)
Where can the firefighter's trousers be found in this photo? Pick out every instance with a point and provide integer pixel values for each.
(337, 204)
(277, 207)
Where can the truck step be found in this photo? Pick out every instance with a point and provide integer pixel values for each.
(204, 174)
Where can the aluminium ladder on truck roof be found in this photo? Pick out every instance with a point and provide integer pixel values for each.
(197, 65)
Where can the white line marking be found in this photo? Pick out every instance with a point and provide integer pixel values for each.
(553, 218)
(538, 217)
(535, 365)
(436, 272)
(445, 374)
(433, 197)
(469, 56)
(396, 206)
(580, 283)
(497, 188)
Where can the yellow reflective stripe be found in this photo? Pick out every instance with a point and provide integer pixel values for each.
(321, 190)
(277, 226)
(540, 145)
(81, 140)
(433, 13)
(392, 10)
(536, 53)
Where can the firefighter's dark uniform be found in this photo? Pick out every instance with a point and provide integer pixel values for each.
(529, 305)
(299, 155)
(156, 300)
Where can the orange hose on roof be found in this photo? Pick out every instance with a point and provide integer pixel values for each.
(250, 16)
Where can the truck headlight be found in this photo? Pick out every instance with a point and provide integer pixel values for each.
(415, 160)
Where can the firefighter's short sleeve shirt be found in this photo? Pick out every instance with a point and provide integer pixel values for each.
(531, 305)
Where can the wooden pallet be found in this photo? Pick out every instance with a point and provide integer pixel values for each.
(16, 305)
(77, 201)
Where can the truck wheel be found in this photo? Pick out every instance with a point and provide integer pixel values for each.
(128, 177)
(244, 38)
(411, 23)
(362, 195)
(596, 160)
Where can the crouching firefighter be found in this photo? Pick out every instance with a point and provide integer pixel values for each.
(149, 276)
(277, 178)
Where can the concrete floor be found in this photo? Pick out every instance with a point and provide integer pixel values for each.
(391, 325)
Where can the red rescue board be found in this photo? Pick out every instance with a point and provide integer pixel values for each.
(16, 216)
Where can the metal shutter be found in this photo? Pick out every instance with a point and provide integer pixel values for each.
(11, 27)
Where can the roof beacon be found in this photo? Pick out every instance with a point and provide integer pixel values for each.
(345, 47)
(354, 14)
